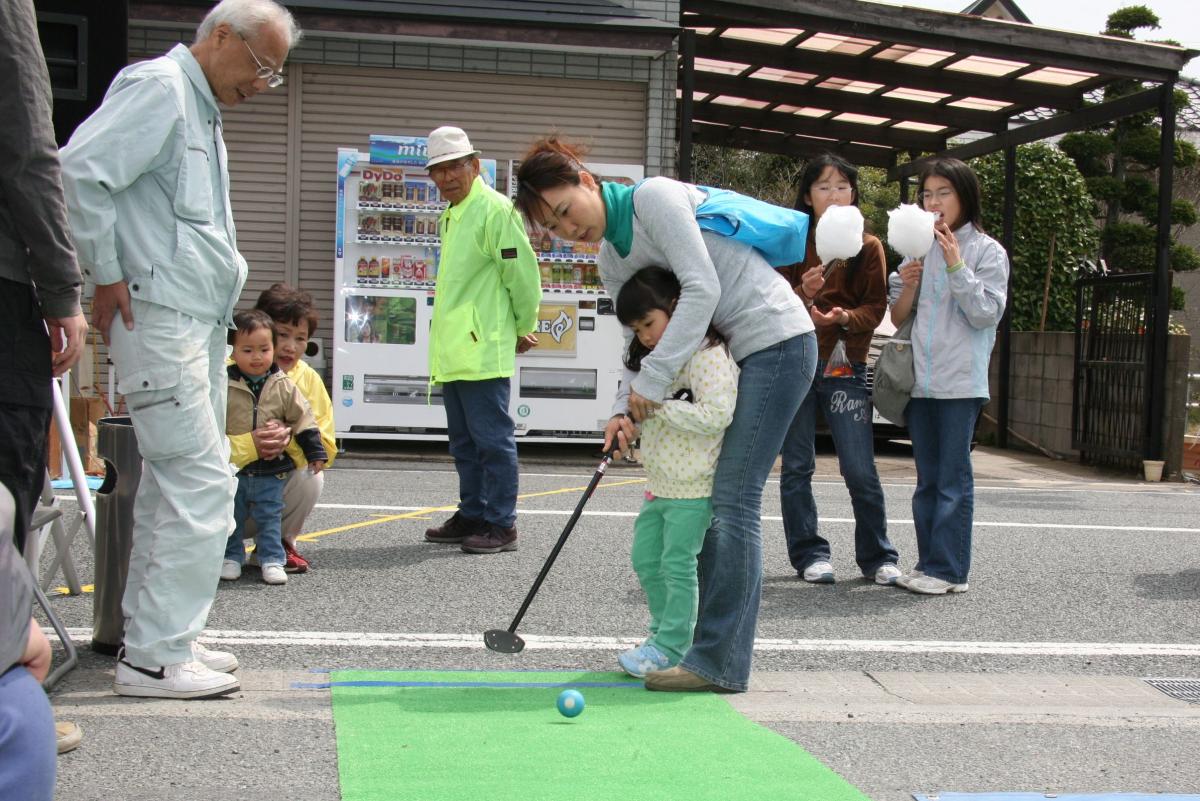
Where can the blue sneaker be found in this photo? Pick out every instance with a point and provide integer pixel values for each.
(637, 662)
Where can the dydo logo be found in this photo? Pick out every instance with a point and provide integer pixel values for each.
(558, 327)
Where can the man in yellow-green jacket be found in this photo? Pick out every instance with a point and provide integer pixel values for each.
(484, 313)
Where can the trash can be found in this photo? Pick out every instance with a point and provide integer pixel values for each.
(117, 445)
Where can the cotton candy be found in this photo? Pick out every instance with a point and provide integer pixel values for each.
(910, 230)
(839, 233)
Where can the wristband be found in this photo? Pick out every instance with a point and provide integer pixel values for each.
(956, 266)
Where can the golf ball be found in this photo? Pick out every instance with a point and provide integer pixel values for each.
(570, 703)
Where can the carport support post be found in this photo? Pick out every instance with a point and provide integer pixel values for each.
(687, 53)
(1010, 211)
(1156, 397)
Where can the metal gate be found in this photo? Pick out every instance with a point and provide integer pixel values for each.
(1110, 412)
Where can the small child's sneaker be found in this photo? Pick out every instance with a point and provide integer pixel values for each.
(637, 662)
(230, 570)
(273, 573)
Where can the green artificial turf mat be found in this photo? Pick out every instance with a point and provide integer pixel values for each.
(476, 736)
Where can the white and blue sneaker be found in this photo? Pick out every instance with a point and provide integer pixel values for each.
(819, 572)
(637, 662)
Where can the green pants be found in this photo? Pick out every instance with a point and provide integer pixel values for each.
(667, 537)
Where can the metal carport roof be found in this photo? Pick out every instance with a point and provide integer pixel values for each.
(875, 82)
(872, 81)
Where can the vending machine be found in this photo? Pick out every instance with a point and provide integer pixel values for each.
(385, 269)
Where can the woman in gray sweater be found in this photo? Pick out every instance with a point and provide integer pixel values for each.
(770, 336)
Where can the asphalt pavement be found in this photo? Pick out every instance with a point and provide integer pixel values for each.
(1084, 584)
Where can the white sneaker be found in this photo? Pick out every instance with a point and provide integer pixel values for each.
(219, 661)
(819, 572)
(929, 585)
(230, 570)
(887, 574)
(182, 680)
(273, 573)
(907, 577)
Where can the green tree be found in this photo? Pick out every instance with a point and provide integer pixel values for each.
(1053, 205)
(1120, 162)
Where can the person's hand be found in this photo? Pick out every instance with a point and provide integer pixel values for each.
(316, 466)
(835, 316)
(271, 439)
(945, 238)
(108, 300)
(36, 658)
(813, 281)
(623, 430)
(526, 342)
(640, 407)
(67, 335)
(910, 273)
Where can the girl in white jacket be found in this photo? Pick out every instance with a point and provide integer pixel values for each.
(964, 284)
(681, 441)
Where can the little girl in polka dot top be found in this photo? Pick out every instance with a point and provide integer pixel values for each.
(680, 443)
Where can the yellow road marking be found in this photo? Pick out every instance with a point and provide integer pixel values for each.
(86, 588)
(425, 513)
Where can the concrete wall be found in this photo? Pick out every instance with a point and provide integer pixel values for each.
(1040, 396)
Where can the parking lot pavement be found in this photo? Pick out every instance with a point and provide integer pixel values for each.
(1084, 584)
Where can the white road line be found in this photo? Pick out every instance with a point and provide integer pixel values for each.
(539, 642)
(778, 519)
(1037, 484)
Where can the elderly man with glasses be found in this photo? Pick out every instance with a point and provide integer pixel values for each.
(147, 185)
(484, 313)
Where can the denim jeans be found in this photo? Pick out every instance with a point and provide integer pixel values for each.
(666, 538)
(944, 502)
(846, 404)
(259, 498)
(27, 740)
(771, 386)
(484, 447)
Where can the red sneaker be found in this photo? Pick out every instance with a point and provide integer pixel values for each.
(295, 562)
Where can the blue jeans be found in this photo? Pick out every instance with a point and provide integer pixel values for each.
(484, 447)
(846, 404)
(259, 497)
(771, 386)
(28, 754)
(944, 502)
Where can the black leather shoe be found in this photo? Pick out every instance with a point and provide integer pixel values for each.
(455, 530)
(493, 539)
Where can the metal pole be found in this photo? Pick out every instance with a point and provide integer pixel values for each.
(1010, 211)
(1156, 396)
(687, 52)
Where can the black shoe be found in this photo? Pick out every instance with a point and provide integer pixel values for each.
(456, 529)
(493, 539)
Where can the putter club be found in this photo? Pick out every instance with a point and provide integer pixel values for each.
(508, 641)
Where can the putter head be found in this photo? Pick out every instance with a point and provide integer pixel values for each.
(504, 641)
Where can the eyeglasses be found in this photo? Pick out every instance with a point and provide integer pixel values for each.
(446, 167)
(941, 194)
(264, 73)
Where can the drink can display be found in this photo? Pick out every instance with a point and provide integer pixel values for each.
(547, 271)
(577, 274)
(363, 268)
(419, 270)
(409, 225)
(373, 268)
(406, 267)
(419, 226)
(385, 268)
